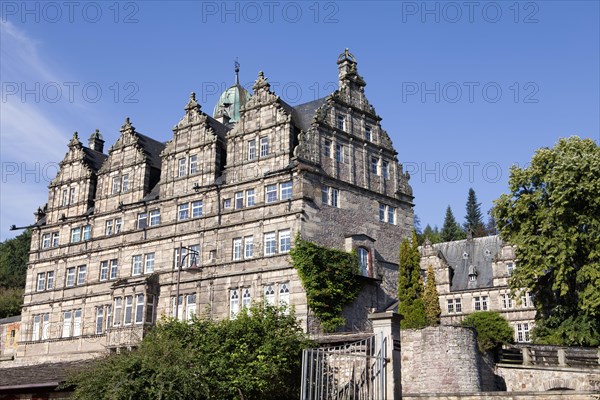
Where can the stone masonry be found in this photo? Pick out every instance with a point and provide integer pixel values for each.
(105, 250)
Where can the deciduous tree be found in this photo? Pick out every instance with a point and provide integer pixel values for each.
(552, 215)
(256, 356)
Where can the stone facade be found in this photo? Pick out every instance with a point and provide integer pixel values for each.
(472, 275)
(105, 264)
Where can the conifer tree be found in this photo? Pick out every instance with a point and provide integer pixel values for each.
(473, 217)
(451, 230)
(410, 285)
(432, 233)
(431, 299)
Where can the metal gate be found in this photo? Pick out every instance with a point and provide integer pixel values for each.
(350, 372)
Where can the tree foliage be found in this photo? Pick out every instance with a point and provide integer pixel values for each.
(256, 356)
(473, 216)
(14, 255)
(431, 299)
(410, 285)
(451, 229)
(11, 300)
(492, 329)
(433, 234)
(552, 215)
(330, 278)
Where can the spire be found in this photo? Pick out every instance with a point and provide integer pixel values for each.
(237, 70)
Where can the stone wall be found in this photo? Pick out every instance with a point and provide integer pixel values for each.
(442, 359)
(558, 395)
(525, 378)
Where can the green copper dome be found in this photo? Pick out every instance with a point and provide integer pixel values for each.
(232, 100)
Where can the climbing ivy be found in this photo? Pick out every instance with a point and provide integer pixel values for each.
(330, 278)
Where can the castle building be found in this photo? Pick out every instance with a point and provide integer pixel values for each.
(472, 275)
(203, 224)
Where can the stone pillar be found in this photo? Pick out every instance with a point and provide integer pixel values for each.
(388, 325)
(562, 357)
(526, 356)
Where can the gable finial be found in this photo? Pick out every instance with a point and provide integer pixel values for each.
(237, 71)
(127, 126)
(192, 104)
(75, 140)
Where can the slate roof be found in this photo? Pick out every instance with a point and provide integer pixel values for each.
(37, 376)
(152, 148)
(462, 254)
(94, 158)
(153, 194)
(218, 127)
(9, 320)
(303, 113)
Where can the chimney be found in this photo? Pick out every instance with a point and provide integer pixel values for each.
(96, 142)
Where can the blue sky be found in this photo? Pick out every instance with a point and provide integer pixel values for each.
(464, 89)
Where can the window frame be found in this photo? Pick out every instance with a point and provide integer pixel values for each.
(76, 234)
(264, 146)
(149, 263)
(142, 220)
(193, 164)
(250, 197)
(284, 240)
(183, 211)
(70, 277)
(286, 190)
(154, 217)
(81, 275)
(197, 208)
(271, 193)
(236, 252)
(124, 183)
(238, 202)
(364, 261)
(181, 167)
(40, 281)
(248, 246)
(251, 149)
(136, 265)
(270, 243)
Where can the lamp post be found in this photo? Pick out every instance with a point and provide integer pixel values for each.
(179, 267)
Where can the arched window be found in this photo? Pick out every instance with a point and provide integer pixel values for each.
(364, 261)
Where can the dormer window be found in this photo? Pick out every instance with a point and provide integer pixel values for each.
(472, 273)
